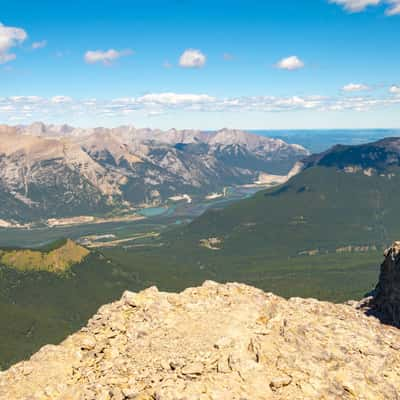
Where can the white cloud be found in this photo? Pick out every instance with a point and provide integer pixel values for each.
(39, 45)
(28, 108)
(175, 98)
(394, 89)
(394, 8)
(26, 99)
(192, 58)
(355, 87)
(61, 99)
(105, 57)
(9, 38)
(7, 108)
(123, 100)
(356, 5)
(290, 63)
(361, 5)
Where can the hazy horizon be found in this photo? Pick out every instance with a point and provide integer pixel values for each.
(194, 128)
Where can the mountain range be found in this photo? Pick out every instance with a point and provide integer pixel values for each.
(59, 171)
(346, 196)
(320, 234)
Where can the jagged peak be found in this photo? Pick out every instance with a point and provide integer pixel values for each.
(222, 136)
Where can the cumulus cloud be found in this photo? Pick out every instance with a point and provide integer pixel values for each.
(192, 58)
(39, 45)
(355, 87)
(360, 5)
(105, 57)
(394, 89)
(356, 5)
(290, 63)
(9, 38)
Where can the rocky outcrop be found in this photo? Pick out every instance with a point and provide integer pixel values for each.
(385, 302)
(216, 342)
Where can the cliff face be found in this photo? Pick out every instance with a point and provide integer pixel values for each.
(216, 342)
(386, 301)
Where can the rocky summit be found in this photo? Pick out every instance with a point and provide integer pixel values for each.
(215, 342)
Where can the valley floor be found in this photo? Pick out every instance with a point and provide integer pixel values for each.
(38, 308)
(41, 308)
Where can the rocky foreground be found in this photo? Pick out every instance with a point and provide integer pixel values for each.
(220, 342)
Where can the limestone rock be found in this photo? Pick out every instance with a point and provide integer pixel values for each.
(88, 342)
(280, 382)
(216, 342)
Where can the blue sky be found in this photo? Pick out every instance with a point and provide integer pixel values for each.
(266, 64)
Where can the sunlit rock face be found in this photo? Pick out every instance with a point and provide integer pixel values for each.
(216, 342)
(49, 171)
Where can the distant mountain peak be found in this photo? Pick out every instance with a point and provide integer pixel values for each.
(63, 170)
(380, 155)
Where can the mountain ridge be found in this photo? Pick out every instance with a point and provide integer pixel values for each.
(339, 198)
(49, 171)
(381, 155)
